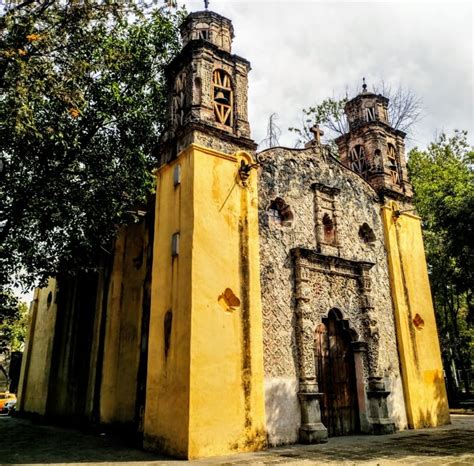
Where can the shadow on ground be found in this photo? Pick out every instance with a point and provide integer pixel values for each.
(25, 443)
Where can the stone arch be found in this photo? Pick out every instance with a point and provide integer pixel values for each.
(329, 229)
(358, 160)
(223, 97)
(345, 323)
(336, 373)
(366, 234)
(280, 212)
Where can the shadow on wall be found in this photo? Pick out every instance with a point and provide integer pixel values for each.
(437, 413)
(396, 401)
(282, 410)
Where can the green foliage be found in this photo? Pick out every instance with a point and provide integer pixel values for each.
(443, 182)
(82, 105)
(329, 115)
(13, 323)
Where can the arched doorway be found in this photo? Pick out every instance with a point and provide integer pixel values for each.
(335, 370)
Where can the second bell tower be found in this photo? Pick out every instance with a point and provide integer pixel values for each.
(373, 148)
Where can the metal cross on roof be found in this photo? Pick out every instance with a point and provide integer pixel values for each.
(206, 4)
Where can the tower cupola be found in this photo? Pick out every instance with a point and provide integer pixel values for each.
(366, 108)
(208, 26)
(372, 147)
(207, 88)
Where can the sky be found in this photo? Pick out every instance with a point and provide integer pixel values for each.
(305, 51)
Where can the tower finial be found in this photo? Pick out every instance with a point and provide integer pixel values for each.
(206, 4)
(364, 85)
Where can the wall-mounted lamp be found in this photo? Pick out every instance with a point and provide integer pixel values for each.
(397, 213)
(245, 169)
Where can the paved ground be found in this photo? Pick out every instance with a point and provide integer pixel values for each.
(22, 442)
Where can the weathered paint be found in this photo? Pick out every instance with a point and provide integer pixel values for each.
(70, 364)
(36, 365)
(123, 326)
(282, 408)
(61, 377)
(205, 394)
(167, 397)
(420, 357)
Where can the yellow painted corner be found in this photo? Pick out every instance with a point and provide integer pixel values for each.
(417, 336)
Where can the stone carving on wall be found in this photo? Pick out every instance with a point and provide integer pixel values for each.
(337, 283)
(326, 214)
(322, 283)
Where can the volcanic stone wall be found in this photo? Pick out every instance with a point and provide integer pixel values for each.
(296, 187)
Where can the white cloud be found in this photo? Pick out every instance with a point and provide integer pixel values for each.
(302, 52)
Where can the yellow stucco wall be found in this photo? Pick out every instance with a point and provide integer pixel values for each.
(36, 364)
(167, 399)
(417, 336)
(206, 397)
(123, 326)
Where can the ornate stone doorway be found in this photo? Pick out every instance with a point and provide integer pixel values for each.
(336, 375)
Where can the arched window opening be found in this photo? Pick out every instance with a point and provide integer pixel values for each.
(329, 229)
(358, 161)
(197, 91)
(179, 100)
(393, 164)
(279, 212)
(370, 114)
(202, 31)
(222, 97)
(366, 234)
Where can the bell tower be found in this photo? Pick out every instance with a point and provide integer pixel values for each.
(205, 394)
(373, 148)
(208, 88)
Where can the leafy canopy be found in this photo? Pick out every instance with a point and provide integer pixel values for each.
(443, 182)
(13, 323)
(82, 104)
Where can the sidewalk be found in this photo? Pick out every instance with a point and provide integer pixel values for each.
(25, 443)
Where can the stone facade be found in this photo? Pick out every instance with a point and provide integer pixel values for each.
(303, 278)
(248, 306)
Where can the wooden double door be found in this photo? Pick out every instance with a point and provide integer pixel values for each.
(335, 370)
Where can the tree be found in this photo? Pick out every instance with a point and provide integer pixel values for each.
(443, 182)
(273, 133)
(329, 115)
(13, 328)
(404, 111)
(82, 105)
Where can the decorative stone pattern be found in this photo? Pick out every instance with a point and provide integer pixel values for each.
(197, 63)
(303, 277)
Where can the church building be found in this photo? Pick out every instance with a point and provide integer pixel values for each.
(262, 299)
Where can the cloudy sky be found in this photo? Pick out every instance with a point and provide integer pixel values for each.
(304, 51)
